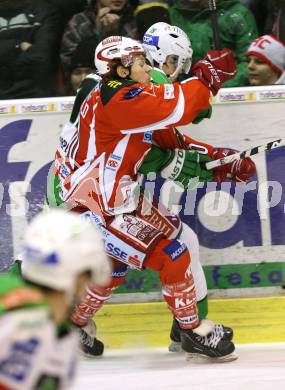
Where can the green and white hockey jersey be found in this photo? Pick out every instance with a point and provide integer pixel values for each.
(34, 353)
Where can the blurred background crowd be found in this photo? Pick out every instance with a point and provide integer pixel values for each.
(47, 46)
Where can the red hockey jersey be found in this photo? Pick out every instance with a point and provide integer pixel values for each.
(115, 132)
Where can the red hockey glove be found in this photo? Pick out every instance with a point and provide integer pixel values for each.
(238, 171)
(217, 67)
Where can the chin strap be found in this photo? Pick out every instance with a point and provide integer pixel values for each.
(172, 77)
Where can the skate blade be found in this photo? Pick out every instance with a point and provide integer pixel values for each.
(199, 358)
(87, 356)
(175, 346)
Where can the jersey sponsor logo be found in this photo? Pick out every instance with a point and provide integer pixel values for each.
(18, 363)
(116, 251)
(188, 320)
(164, 224)
(132, 93)
(184, 302)
(136, 229)
(151, 40)
(120, 272)
(147, 137)
(115, 157)
(119, 249)
(64, 171)
(63, 144)
(168, 91)
(114, 84)
(134, 261)
(94, 218)
(113, 162)
(175, 249)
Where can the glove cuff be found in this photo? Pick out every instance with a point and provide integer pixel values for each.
(174, 168)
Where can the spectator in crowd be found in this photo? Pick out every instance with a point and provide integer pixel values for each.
(82, 64)
(237, 30)
(102, 18)
(269, 15)
(148, 13)
(67, 8)
(275, 22)
(28, 35)
(266, 61)
(260, 10)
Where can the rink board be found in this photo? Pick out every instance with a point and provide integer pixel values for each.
(242, 245)
(254, 320)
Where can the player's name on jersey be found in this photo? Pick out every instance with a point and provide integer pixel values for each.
(64, 104)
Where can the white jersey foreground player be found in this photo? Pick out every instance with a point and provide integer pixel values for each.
(62, 252)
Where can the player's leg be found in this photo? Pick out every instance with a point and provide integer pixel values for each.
(94, 299)
(189, 237)
(172, 260)
(53, 190)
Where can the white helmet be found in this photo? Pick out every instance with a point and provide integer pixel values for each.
(116, 47)
(58, 246)
(162, 40)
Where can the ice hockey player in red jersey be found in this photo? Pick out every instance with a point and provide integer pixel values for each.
(99, 165)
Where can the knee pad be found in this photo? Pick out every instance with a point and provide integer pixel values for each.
(171, 259)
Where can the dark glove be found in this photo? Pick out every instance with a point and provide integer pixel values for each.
(217, 67)
(238, 171)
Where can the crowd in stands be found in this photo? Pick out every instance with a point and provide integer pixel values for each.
(47, 46)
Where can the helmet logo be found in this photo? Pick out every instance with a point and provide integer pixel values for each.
(151, 39)
(113, 39)
(35, 255)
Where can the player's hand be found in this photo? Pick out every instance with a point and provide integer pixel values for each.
(107, 22)
(186, 165)
(237, 171)
(217, 67)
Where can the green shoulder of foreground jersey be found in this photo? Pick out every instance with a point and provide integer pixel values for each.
(15, 294)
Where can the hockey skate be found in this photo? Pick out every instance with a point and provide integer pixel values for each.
(207, 343)
(90, 346)
(175, 345)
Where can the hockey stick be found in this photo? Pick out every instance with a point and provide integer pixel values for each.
(245, 153)
(215, 26)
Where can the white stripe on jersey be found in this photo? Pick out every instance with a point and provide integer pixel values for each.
(110, 172)
(174, 117)
(91, 151)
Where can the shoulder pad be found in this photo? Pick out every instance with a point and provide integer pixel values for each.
(111, 87)
(94, 77)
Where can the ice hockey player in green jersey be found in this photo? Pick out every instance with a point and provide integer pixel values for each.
(169, 51)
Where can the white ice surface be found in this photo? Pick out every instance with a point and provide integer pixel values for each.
(260, 367)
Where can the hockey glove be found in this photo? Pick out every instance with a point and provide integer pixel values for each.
(217, 67)
(237, 171)
(184, 166)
